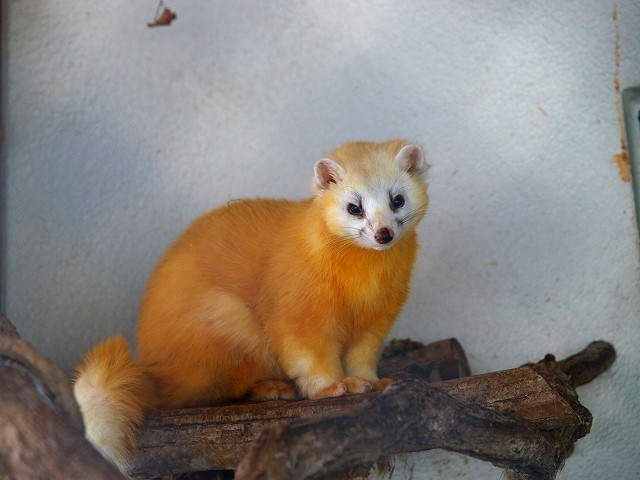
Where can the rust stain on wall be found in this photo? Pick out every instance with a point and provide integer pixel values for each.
(624, 166)
(542, 110)
(620, 159)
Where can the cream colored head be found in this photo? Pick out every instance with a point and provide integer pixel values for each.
(372, 193)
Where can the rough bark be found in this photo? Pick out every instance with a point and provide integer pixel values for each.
(216, 438)
(41, 433)
(525, 420)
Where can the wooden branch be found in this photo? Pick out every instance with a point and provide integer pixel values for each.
(586, 365)
(436, 362)
(515, 419)
(216, 438)
(51, 379)
(525, 420)
(408, 417)
(41, 433)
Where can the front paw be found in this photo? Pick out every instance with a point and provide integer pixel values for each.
(345, 386)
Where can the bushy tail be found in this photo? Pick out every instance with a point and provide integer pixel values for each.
(113, 393)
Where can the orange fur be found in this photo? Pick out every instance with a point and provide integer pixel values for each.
(260, 293)
(113, 393)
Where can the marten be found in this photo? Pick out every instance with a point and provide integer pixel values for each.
(268, 299)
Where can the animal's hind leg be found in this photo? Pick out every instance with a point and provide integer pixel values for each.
(272, 390)
(204, 351)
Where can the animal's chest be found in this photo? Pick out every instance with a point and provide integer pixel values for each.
(366, 287)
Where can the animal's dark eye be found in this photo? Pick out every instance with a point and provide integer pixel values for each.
(354, 209)
(397, 202)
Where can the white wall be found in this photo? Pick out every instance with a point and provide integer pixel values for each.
(118, 135)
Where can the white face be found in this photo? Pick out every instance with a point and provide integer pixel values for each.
(376, 216)
(373, 206)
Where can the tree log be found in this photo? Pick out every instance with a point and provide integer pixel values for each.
(41, 433)
(216, 438)
(525, 420)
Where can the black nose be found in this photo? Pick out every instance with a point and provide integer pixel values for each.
(384, 235)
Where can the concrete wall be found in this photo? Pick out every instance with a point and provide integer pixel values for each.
(118, 135)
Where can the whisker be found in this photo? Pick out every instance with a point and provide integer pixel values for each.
(395, 180)
(414, 213)
(340, 242)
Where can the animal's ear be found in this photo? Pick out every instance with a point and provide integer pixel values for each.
(411, 160)
(326, 172)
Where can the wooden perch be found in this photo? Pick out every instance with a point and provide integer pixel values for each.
(41, 433)
(525, 420)
(216, 438)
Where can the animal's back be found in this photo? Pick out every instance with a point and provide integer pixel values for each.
(224, 247)
(198, 334)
